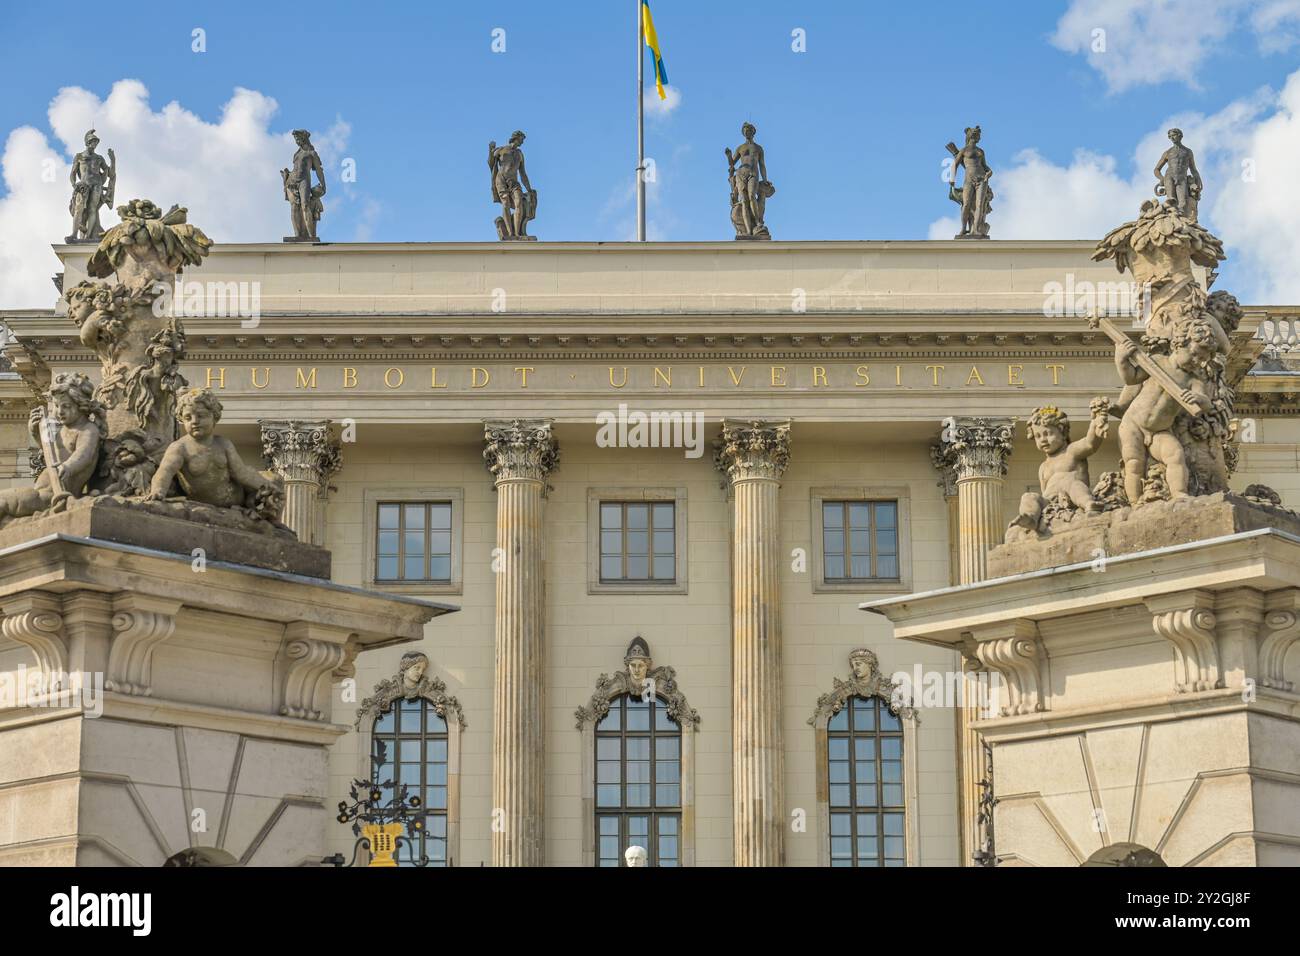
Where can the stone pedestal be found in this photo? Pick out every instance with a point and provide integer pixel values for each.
(753, 456)
(152, 705)
(1149, 706)
(304, 455)
(519, 455)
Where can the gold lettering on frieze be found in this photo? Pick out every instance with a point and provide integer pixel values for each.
(799, 377)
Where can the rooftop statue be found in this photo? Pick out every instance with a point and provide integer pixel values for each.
(518, 202)
(93, 184)
(750, 188)
(1179, 179)
(976, 195)
(305, 206)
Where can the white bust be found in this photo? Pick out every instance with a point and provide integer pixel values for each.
(635, 856)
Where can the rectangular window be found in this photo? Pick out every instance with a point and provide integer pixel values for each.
(638, 542)
(413, 541)
(860, 541)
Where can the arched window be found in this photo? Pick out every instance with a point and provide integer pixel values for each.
(864, 751)
(410, 734)
(412, 741)
(638, 782)
(866, 770)
(638, 745)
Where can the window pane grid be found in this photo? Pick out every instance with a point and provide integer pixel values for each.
(638, 542)
(415, 739)
(413, 541)
(865, 775)
(860, 540)
(638, 783)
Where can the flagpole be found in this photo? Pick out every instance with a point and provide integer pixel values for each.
(640, 124)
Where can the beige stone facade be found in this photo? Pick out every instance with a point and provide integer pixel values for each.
(863, 348)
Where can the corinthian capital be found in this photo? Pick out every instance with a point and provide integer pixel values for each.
(520, 449)
(975, 447)
(749, 449)
(301, 451)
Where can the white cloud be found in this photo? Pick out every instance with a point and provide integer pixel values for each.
(227, 173)
(657, 108)
(1258, 135)
(1136, 42)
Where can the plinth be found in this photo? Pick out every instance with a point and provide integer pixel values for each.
(155, 706)
(1148, 710)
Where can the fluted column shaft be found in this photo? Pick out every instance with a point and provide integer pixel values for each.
(753, 456)
(304, 456)
(976, 452)
(519, 455)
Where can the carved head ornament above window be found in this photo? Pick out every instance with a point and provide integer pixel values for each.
(412, 680)
(638, 672)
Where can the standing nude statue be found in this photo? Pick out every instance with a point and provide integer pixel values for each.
(1180, 180)
(750, 189)
(518, 202)
(93, 183)
(305, 206)
(975, 196)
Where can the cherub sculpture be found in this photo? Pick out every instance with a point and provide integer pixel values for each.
(71, 447)
(1146, 429)
(205, 465)
(1064, 471)
(153, 388)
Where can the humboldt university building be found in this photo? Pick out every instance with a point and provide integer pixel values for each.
(664, 499)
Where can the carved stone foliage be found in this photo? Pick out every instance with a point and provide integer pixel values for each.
(865, 680)
(412, 681)
(945, 463)
(520, 449)
(752, 449)
(977, 447)
(638, 676)
(301, 451)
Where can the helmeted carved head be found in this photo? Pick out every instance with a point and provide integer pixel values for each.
(638, 659)
(972, 134)
(863, 663)
(91, 139)
(412, 668)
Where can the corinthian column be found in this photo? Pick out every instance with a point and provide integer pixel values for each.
(976, 450)
(753, 456)
(520, 455)
(305, 456)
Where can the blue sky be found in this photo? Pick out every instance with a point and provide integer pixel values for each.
(854, 128)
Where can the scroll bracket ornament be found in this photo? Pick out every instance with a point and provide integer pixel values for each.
(140, 624)
(35, 620)
(313, 659)
(1015, 651)
(1188, 622)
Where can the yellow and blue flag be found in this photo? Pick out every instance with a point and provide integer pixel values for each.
(652, 41)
